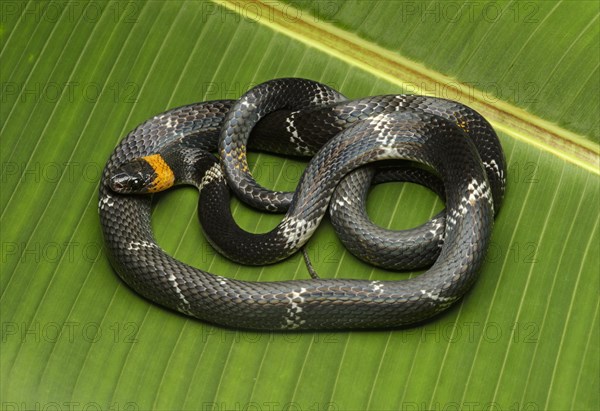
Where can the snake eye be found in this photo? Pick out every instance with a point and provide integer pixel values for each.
(136, 183)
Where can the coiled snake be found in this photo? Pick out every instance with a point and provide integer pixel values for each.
(303, 117)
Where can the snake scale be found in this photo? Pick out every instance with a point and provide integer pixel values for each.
(463, 161)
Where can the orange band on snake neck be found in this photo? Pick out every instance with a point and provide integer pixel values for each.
(164, 175)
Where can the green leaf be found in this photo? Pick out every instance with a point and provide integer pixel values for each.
(77, 76)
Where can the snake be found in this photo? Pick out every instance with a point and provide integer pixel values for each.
(461, 159)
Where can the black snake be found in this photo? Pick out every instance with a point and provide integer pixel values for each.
(303, 117)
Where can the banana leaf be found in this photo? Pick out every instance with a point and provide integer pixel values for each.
(77, 76)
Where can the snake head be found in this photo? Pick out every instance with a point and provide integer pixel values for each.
(143, 175)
